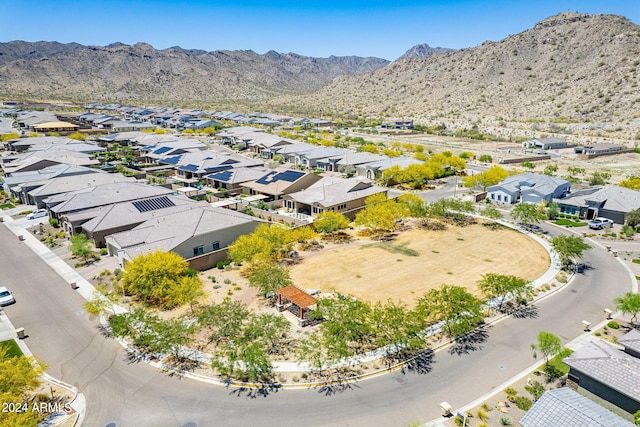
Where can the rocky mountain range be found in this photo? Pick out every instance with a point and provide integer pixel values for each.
(423, 50)
(569, 68)
(51, 70)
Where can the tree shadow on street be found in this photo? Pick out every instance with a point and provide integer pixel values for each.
(258, 390)
(582, 268)
(472, 341)
(335, 382)
(420, 364)
(525, 312)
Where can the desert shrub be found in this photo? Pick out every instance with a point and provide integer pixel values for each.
(220, 265)
(613, 325)
(523, 402)
(104, 251)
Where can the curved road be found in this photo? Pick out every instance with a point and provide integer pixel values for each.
(135, 394)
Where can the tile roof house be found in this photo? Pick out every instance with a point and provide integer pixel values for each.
(195, 166)
(92, 196)
(609, 201)
(342, 195)
(20, 183)
(196, 233)
(528, 188)
(231, 180)
(631, 342)
(373, 170)
(607, 373)
(60, 188)
(320, 157)
(279, 182)
(35, 160)
(101, 221)
(564, 407)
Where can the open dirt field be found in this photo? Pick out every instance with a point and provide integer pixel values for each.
(419, 260)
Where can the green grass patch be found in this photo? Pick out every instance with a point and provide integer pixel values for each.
(13, 350)
(569, 223)
(7, 206)
(398, 249)
(635, 261)
(556, 367)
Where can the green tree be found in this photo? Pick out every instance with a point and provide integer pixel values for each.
(536, 389)
(491, 212)
(460, 311)
(548, 345)
(19, 378)
(345, 327)
(485, 179)
(485, 158)
(312, 349)
(330, 222)
(503, 286)
(552, 211)
(161, 279)
(381, 214)
(268, 277)
(415, 204)
(569, 248)
(527, 164)
(629, 303)
(528, 213)
(551, 169)
(631, 182)
(222, 321)
(395, 325)
(632, 218)
(599, 178)
(81, 246)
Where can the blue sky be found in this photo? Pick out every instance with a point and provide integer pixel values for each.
(384, 29)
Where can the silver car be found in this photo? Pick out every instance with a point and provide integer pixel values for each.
(6, 298)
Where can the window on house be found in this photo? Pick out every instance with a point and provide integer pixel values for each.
(342, 206)
(216, 246)
(198, 250)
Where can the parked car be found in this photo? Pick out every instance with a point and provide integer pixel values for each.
(6, 297)
(39, 213)
(600, 223)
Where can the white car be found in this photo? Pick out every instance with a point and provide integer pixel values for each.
(600, 223)
(6, 298)
(39, 213)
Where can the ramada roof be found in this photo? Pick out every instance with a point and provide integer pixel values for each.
(297, 296)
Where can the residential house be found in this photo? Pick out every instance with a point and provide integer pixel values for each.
(373, 170)
(19, 184)
(153, 153)
(35, 160)
(198, 233)
(565, 407)
(609, 201)
(320, 158)
(99, 222)
(529, 188)
(95, 195)
(631, 343)
(607, 375)
(342, 195)
(551, 143)
(398, 124)
(599, 148)
(280, 182)
(231, 180)
(192, 167)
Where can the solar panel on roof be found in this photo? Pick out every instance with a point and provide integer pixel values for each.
(148, 205)
(171, 160)
(190, 168)
(266, 179)
(162, 150)
(222, 176)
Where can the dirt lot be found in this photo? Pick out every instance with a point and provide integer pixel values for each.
(419, 260)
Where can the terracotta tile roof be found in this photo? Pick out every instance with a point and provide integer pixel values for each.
(297, 296)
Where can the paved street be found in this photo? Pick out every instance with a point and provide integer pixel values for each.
(133, 394)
